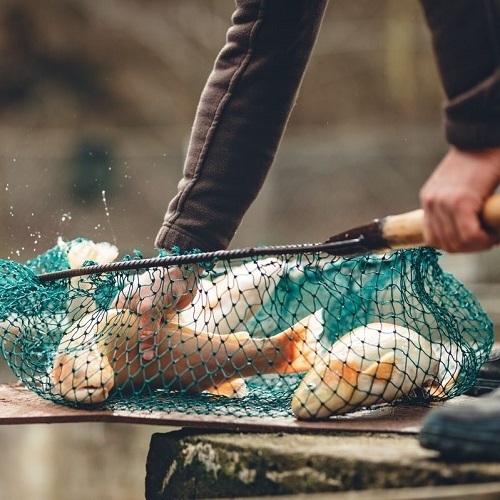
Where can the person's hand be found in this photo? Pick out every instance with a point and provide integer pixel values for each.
(155, 296)
(453, 198)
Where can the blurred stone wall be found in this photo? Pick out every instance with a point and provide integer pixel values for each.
(97, 101)
(100, 97)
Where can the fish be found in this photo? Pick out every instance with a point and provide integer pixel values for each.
(100, 353)
(226, 303)
(374, 364)
(221, 302)
(79, 251)
(80, 301)
(82, 250)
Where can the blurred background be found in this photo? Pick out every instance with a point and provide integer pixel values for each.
(97, 100)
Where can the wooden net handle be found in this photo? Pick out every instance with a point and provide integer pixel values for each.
(406, 230)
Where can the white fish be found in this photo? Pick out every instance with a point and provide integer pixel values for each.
(373, 364)
(228, 302)
(81, 301)
(78, 252)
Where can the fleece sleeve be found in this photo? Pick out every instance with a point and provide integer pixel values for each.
(465, 36)
(240, 120)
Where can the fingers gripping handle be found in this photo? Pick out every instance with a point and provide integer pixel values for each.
(491, 212)
(406, 230)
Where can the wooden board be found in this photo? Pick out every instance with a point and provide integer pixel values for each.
(20, 406)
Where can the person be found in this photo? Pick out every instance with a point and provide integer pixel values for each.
(243, 112)
(467, 47)
(466, 40)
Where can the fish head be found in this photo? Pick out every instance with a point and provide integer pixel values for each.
(325, 390)
(83, 376)
(80, 251)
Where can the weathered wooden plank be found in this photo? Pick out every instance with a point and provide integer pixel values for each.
(21, 406)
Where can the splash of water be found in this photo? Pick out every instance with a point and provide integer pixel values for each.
(108, 216)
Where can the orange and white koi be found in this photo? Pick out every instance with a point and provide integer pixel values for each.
(374, 364)
(100, 352)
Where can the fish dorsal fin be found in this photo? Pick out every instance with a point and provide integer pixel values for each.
(382, 369)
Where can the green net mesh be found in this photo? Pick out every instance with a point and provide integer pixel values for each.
(305, 336)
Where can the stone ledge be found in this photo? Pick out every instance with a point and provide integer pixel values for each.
(190, 464)
(482, 491)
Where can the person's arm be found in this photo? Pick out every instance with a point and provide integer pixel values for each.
(240, 120)
(466, 44)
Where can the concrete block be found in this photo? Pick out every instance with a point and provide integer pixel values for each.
(191, 464)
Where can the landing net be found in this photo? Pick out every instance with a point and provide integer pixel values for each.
(308, 335)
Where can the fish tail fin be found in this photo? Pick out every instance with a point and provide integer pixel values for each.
(234, 388)
(301, 351)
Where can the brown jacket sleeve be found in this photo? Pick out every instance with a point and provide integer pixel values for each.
(240, 119)
(466, 36)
